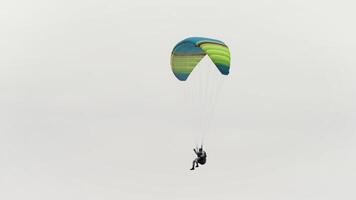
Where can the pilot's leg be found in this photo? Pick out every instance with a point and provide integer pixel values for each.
(193, 165)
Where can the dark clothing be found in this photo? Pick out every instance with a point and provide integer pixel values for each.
(201, 158)
(200, 153)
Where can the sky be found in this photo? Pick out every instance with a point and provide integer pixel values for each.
(90, 109)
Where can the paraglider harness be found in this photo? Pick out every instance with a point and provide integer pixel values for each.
(201, 156)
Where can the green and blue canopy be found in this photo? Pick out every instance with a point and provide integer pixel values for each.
(188, 53)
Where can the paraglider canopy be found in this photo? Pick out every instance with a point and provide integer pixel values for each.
(188, 53)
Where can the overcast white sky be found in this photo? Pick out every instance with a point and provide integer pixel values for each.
(89, 107)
